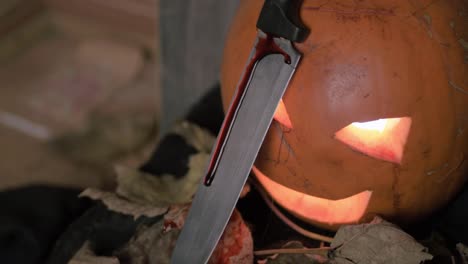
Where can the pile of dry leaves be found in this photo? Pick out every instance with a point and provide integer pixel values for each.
(140, 194)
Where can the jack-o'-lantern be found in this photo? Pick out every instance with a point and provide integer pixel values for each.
(375, 119)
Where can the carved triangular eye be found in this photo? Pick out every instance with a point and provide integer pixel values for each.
(383, 139)
(282, 116)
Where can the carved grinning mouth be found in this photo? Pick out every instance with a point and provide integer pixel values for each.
(342, 211)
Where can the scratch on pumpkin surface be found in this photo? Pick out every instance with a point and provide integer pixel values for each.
(458, 88)
(350, 10)
(423, 8)
(283, 143)
(359, 11)
(425, 18)
(428, 23)
(428, 19)
(461, 160)
(460, 131)
(464, 43)
(437, 170)
(293, 172)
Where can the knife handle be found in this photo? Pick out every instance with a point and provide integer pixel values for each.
(281, 18)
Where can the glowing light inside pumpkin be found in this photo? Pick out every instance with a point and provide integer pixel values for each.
(344, 211)
(383, 139)
(282, 116)
(377, 125)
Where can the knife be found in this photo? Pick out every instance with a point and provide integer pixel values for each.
(266, 76)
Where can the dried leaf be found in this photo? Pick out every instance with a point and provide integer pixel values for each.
(196, 136)
(175, 217)
(166, 190)
(294, 258)
(463, 250)
(377, 242)
(118, 204)
(86, 256)
(150, 245)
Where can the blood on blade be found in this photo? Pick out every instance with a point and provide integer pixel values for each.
(265, 46)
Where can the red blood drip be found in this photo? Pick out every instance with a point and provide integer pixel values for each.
(169, 225)
(264, 47)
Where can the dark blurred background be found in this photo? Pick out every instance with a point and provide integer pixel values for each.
(86, 84)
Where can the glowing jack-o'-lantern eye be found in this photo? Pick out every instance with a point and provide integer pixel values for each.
(383, 139)
(282, 116)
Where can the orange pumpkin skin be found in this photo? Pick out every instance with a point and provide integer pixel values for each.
(366, 60)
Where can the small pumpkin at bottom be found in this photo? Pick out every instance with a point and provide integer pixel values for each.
(374, 120)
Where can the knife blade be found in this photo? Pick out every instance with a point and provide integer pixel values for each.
(266, 76)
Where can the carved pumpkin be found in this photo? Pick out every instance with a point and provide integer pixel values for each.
(375, 120)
